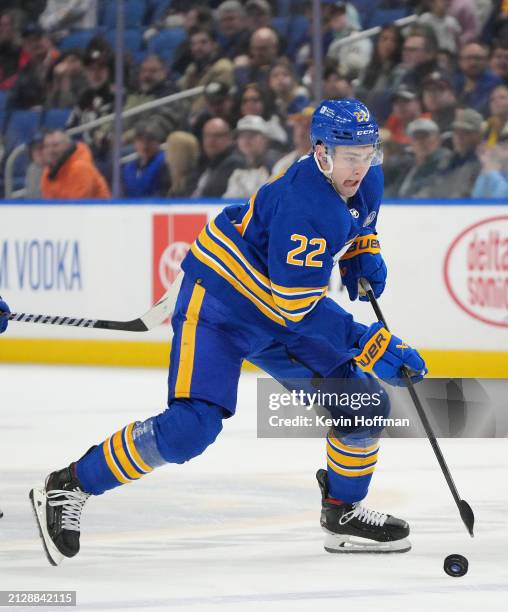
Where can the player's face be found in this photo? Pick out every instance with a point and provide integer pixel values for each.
(350, 165)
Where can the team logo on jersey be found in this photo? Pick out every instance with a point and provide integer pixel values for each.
(173, 235)
(354, 213)
(370, 217)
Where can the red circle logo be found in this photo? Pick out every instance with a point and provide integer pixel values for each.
(476, 270)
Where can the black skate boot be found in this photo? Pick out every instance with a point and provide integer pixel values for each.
(57, 508)
(351, 528)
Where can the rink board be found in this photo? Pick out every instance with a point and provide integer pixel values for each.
(447, 290)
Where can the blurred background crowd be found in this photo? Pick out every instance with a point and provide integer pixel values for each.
(437, 84)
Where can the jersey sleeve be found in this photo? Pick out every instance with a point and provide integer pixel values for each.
(299, 266)
(372, 188)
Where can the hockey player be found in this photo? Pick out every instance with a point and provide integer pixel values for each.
(255, 288)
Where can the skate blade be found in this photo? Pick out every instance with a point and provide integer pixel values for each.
(38, 502)
(350, 544)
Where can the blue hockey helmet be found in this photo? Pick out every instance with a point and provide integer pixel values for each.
(343, 123)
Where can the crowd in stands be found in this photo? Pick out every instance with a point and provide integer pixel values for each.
(438, 87)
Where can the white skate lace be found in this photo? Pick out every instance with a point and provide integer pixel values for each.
(72, 502)
(371, 517)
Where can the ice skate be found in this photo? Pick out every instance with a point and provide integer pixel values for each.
(351, 528)
(57, 508)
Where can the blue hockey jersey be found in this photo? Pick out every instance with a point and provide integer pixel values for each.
(270, 260)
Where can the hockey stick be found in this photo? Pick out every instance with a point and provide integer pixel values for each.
(155, 316)
(466, 513)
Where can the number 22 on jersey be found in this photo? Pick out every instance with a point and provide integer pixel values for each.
(295, 257)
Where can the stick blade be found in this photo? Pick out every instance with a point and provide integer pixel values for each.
(466, 514)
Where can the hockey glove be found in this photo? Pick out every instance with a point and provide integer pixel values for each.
(3, 320)
(385, 354)
(363, 259)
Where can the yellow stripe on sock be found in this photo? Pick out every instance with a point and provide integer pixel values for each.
(111, 464)
(350, 473)
(352, 449)
(352, 461)
(122, 457)
(134, 452)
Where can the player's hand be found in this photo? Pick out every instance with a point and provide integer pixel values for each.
(3, 320)
(384, 354)
(363, 259)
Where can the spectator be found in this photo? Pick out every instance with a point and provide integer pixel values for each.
(336, 86)
(182, 158)
(254, 100)
(232, 29)
(457, 177)
(220, 159)
(259, 14)
(446, 28)
(428, 157)
(499, 60)
(219, 102)
(498, 114)
(252, 138)
(70, 173)
(419, 58)
(66, 80)
(207, 66)
(96, 101)
(492, 181)
(439, 99)
(406, 108)
(35, 168)
(153, 84)
(466, 14)
(10, 50)
(63, 16)
(290, 97)
(196, 17)
(147, 176)
(300, 123)
(476, 81)
(38, 56)
(351, 58)
(377, 80)
(263, 52)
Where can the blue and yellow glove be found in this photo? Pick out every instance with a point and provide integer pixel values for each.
(384, 354)
(363, 259)
(3, 320)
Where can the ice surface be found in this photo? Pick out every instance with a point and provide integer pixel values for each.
(238, 527)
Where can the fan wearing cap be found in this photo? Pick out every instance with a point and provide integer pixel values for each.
(252, 140)
(406, 108)
(427, 158)
(300, 124)
(439, 98)
(456, 177)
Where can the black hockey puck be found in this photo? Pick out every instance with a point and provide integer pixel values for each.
(456, 565)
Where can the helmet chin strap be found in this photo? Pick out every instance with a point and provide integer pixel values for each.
(327, 173)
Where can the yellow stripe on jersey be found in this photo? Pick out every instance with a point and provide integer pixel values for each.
(351, 449)
(133, 450)
(121, 456)
(188, 343)
(112, 465)
(289, 291)
(296, 304)
(204, 258)
(248, 215)
(347, 472)
(357, 461)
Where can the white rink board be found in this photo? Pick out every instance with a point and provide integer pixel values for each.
(97, 261)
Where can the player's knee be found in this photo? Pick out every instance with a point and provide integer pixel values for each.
(186, 428)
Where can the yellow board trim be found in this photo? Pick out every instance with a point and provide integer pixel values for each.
(130, 470)
(188, 343)
(111, 464)
(139, 354)
(134, 451)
